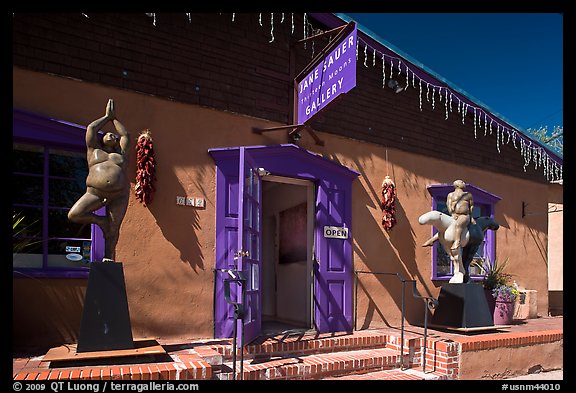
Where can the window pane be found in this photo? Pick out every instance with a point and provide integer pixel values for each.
(64, 193)
(68, 164)
(65, 185)
(60, 226)
(479, 211)
(441, 207)
(255, 246)
(69, 253)
(27, 158)
(248, 181)
(28, 190)
(255, 185)
(443, 264)
(474, 269)
(254, 277)
(256, 217)
(247, 213)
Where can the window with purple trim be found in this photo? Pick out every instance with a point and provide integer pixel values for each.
(484, 205)
(48, 176)
(47, 182)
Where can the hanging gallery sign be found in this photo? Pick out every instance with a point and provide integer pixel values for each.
(334, 74)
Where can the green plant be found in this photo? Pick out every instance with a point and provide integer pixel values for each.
(19, 230)
(493, 272)
(496, 280)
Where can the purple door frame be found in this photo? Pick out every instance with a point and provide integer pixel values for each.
(333, 270)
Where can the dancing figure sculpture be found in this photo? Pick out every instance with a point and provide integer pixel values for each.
(106, 183)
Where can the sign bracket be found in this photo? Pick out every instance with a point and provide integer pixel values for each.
(293, 129)
(344, 30)
(337, 29)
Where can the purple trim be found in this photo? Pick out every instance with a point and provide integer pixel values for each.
(45, 211)
(70, 238)
(291, 150)
(97, 249)
(333, 268)
(34, 128)
(481, 197)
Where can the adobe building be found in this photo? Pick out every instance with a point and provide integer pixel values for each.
(271, 145)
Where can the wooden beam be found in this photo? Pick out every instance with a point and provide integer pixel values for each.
(260, 131)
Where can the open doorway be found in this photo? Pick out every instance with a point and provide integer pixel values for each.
(287, 249)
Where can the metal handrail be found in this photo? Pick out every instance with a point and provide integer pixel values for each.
(430, 302)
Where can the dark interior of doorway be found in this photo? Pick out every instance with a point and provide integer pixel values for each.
(286, 249)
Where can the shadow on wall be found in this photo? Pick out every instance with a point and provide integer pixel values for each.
(46, 313)
(393, 252)
(379, 254)
(371, 308)
(379, 251)
(179, 224)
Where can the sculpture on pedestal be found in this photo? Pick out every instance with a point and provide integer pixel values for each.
(105, 321)
(106, 183)
(460, 234)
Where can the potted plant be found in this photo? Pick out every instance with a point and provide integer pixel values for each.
(501, 293)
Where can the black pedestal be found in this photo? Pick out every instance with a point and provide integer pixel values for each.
(462, 306)
(105, 318)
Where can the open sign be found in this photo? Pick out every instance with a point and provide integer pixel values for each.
(335, 232)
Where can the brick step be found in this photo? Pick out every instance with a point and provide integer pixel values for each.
(305, 345)
(314, 366)
(388, 375)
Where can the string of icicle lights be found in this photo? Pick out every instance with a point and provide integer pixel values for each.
(398, 67)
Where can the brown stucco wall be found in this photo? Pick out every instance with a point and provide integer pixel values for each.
(168, 250)
(46, 312)
(510, 361)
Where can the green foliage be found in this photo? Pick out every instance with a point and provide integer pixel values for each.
(553, 140)
(496, 279)
(20, 229)
(494, 274)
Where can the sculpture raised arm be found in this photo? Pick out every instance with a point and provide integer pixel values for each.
(106, 183)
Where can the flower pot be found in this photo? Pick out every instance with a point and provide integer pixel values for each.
(503, 312)
(490, 300)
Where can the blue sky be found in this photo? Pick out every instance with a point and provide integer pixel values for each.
(511, 62)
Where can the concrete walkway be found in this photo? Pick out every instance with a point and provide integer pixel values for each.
(555, 375)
